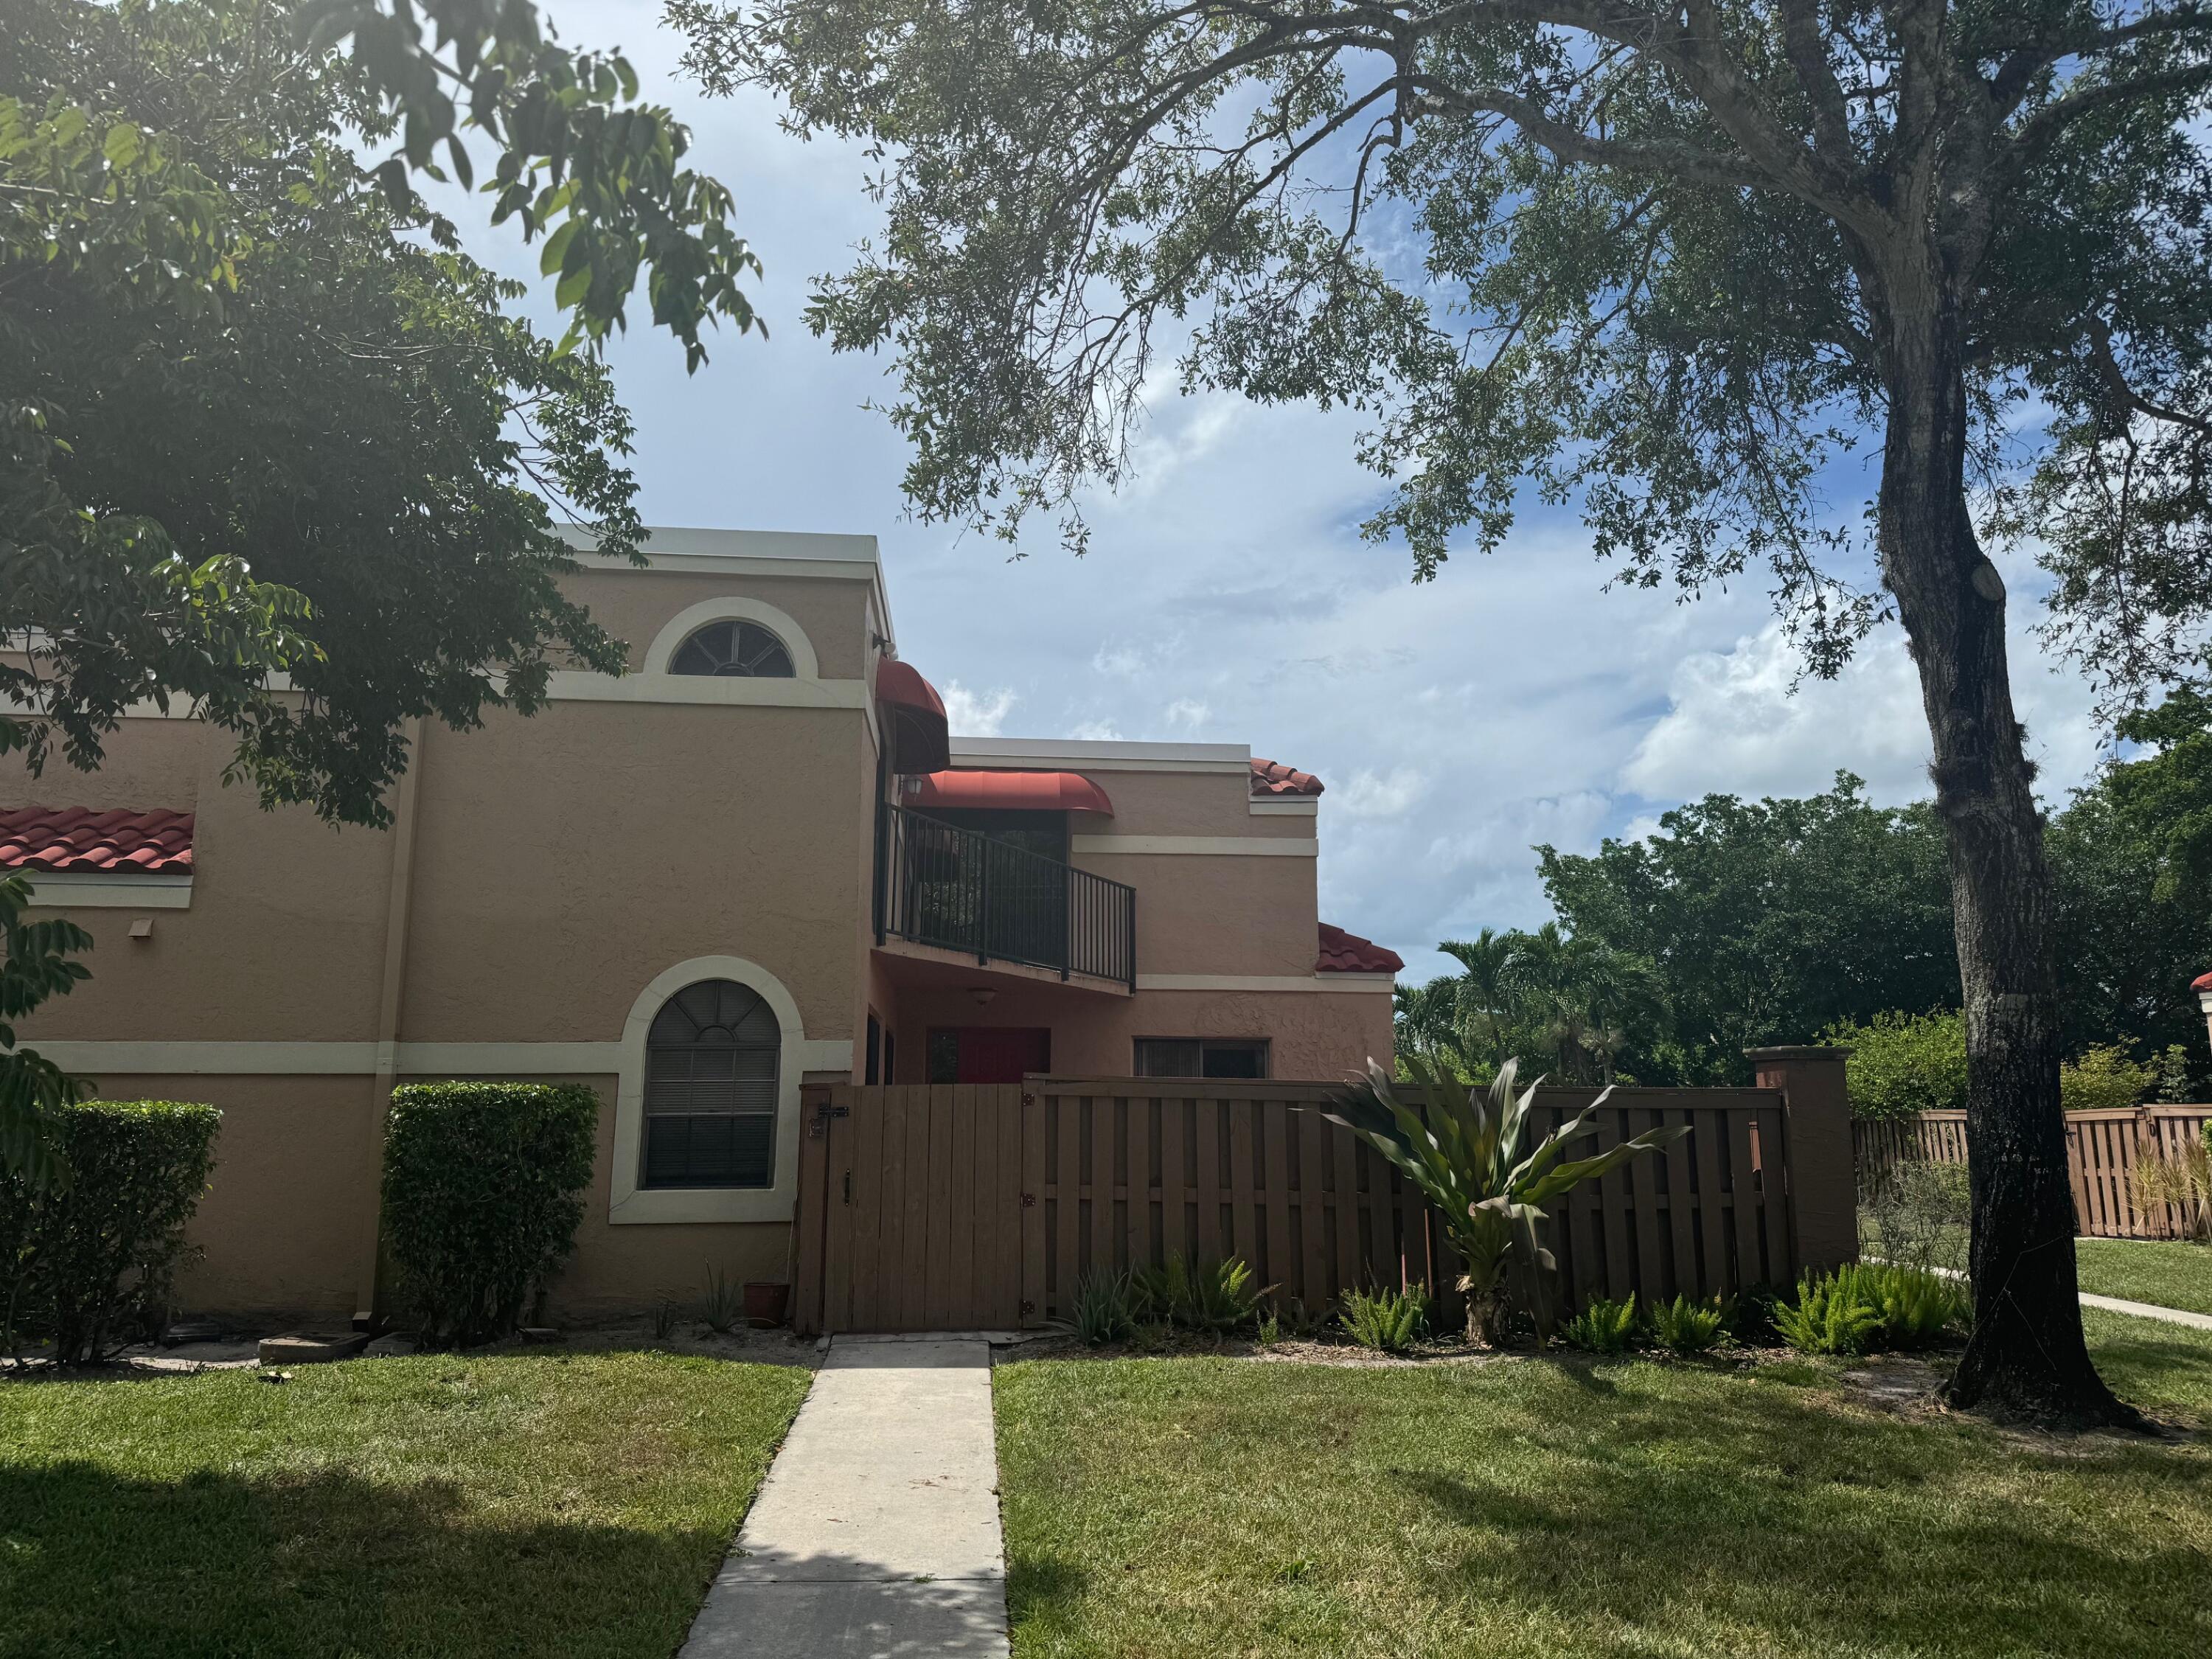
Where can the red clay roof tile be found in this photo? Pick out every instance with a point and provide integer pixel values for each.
(1270, 779)
(59, 838)
(1348, 953)
(2201, 982)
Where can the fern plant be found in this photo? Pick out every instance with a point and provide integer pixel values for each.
(1834, 1314)
(1387, 1320)
(1463, 1149)
(1602, 1327)
(1917, 1307)
(1211, 1297)
(1686, 1327)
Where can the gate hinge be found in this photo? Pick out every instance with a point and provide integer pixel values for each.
(1028, 1099)
(1028, 1307)
(1029, 1200)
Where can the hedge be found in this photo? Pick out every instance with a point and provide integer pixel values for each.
(1902, 1064)
(483, 1192)
(88, 1262)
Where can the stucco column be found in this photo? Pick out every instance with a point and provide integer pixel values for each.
(1823, 1178)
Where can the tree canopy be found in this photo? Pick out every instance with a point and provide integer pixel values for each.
(1739, 924)
(1672, 263)
(272, 449)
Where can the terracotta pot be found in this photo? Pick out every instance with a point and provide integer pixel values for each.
(766, 1304)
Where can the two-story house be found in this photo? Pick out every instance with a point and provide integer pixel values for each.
(759, 859)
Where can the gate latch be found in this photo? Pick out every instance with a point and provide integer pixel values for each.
(820, 1126)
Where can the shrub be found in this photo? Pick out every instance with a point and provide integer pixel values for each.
(1214, 1297)
(1387, 1320)
(1919, 1213)
(482, 1190)
(1833, 1314)
(1916, 1307)
(1602, 1327)
(1902, 1064)
(1465, 1150)
(1102, 1313)
(90, 1261)
(2104, 1079)
(724, 1307)
(1687, 1327)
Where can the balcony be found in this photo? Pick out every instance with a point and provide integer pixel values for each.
(949, 889)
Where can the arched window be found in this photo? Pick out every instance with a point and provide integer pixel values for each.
(726, 648)
(710, 1089)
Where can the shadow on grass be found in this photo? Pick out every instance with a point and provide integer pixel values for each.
(324, 1564)
(1824, 1532)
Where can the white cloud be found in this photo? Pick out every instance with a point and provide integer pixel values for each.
(1096, 731)
(1507, 702)
(1366, 795)
(976, 714)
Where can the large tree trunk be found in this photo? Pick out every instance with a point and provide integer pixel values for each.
(2027, 1353)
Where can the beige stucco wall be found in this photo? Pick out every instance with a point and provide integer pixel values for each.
(563, 861)
(635, 607)
(280, 1227)
(1313, 1035)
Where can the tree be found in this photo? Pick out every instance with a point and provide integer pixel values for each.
(253, 427)
(2166, 797)
(1669, 262)
(1767, 920)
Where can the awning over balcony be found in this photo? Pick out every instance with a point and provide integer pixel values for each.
(914, 727)
(1027, 791)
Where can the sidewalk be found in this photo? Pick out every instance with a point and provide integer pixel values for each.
(876, 1530)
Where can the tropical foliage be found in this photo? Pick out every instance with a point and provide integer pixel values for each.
(1736, 924)
(1389, 1320)
(1463, 1147)
(259, 417)
(1602, 1326)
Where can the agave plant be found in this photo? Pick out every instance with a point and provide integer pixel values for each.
(1463, 1148)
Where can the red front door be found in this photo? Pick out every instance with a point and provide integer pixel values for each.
(1002, 1054)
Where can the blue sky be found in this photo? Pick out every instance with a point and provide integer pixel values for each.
(1228, 597)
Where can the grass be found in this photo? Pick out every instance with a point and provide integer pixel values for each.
(2168, 1275)
(1544, 1508)
(557, 1504)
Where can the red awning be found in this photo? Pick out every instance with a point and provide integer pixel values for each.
(1024, 791)
(913, 719)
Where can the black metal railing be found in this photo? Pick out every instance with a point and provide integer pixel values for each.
(960, 890)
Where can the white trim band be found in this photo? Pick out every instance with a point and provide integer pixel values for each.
(96, 890)
(1365, 982)
(1279, 847)
(1283, 806)
(341, 1058)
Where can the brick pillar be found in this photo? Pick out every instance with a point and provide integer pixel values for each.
(1823, 1182)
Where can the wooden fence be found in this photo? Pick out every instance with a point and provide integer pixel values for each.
(2103, 1148)
(958, 1206)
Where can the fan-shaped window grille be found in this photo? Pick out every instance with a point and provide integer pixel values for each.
(710, 1089)
(733, 647)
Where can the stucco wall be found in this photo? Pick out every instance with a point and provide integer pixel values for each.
(1315, 1036)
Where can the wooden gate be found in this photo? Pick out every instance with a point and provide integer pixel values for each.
(910, 1208)
(980, 1206)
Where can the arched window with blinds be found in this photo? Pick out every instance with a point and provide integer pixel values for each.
(711, 1062)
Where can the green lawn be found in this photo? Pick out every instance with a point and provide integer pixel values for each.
(1165, 1507)
(436, 1504)
(2170, 1275)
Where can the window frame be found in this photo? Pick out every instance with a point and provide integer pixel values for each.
(1262, 1048)
(688, 1179)
(738, 627)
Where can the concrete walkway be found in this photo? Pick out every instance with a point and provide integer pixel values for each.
(876, 1530)
(2148, 1310)
(2117, 1305)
